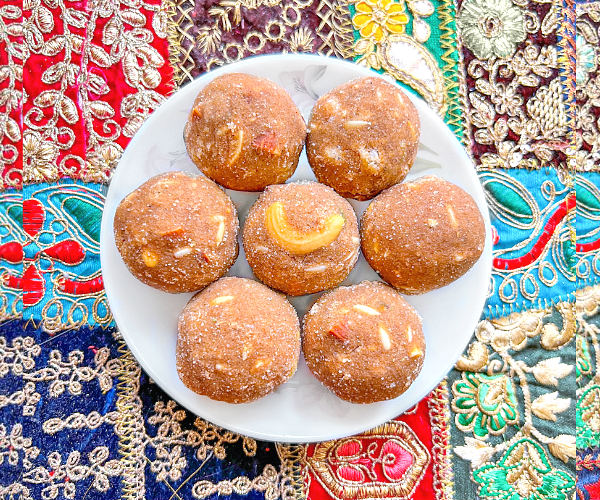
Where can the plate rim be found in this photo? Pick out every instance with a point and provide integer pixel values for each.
(106, 232)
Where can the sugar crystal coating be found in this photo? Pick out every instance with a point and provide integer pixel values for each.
(364, 342)
(306, 207)
(422, 235)
(245, 132)
(176, 232)
(362, 137)
(237, 341)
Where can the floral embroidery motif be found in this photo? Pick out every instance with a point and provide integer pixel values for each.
(484, 403)
(388, 460)
(587, 140)
(17, 450)
(511, 124)
(39, 156)
(60, 478)
(107, 41)
(586, 59)
(495, 400)
(491, 28)
(524, 472)
(374, 17)
(588, 392)
(12, 53)
(12, 239)
(62, 284)
(383, 45)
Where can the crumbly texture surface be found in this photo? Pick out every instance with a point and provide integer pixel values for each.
(364, 342)
(306, 208)
(363, 137)
(176, 232)
(422, 235)
(238, 340)
(245, 132)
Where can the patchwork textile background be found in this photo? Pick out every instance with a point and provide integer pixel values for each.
(517, 81)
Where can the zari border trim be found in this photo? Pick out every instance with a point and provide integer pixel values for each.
(294, 471)
(439, 411)
(339, 41)
(567, 60)
(129, 426)
(450, 71)
(462, 91)
(178, 24)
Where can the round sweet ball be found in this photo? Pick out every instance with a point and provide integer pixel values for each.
(245, 132)
(364, 342)
(422, 235)
(176, 232)
(363, 137)
(301, 238)
(238, 340)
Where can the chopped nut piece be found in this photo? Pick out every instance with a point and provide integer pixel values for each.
(316, 269)
(375, 245)
(260, 364)
(236, 147)
(204, 257)
(340, 331)
(332, 104)
(432, 222)
(150, 258)
(246, 350)
(385, 338)
(182, 252)
(366, 309)
(224, 129)
(414, 352)
(174, 233)
(267, 143)
(354, 124)
(220, 367)
(370, 159)
(333, 153)
(301, 243)
(222, 299)
(458, 257)
(220, 232)
(197, 112)
(453, 221)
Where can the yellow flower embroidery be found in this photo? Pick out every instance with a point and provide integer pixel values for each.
(373, 18)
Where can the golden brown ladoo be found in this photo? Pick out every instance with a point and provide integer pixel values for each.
(422, 235)
(363, 137)
(176, 232)
(301, 238)
(238, 340)
(364, 342)
(245, 132)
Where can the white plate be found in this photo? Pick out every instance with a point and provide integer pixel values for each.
(301, 410)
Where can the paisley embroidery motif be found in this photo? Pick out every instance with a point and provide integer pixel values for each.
(388, 460)
(534, 256)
